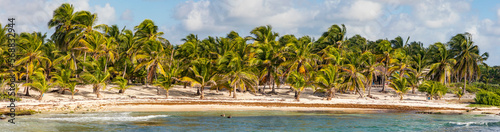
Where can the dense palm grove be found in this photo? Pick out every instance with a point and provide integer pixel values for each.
(80, 52)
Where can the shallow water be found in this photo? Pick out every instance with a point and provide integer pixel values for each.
(252, 121)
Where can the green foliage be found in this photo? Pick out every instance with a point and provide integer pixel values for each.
(488, 98)
(6, 97)
(433, 89)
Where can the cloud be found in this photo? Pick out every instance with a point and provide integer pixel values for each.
(106, 14)
(127, 15)
(33, 15)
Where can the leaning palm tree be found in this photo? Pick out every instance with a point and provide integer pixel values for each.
(386, 58)
(353, 79)
(467, 56)
(399, 84)
(40, 83)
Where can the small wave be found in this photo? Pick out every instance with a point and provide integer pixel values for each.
(472, 124)
(104, 118)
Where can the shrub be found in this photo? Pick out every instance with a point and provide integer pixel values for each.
(487, 98)
(7, 97)
(433, 89)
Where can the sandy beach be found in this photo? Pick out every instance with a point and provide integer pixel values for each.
(142, 98)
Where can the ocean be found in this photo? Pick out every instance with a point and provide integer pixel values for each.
(300, 121)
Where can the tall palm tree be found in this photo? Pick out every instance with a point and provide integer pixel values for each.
(30, 46)
(441, 64)
(385, 57)
(370, 70)
(467, 55)
(267, 50)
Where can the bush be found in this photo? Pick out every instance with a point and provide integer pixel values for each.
(433, 89)
(6, 97)
(487, 98)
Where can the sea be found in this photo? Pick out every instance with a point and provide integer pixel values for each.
(293, 121)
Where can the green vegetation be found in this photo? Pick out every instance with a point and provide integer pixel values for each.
(435, 89)
(488, 98)
(79, 52)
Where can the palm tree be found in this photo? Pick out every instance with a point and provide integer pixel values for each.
(299, 82)
(370, 68)
(239, 75)
(202, 74)
(467, 56)
(168, 76)
(328, 78)
(40, 83)
(63, 79)
(267, 50)
(121, 84)
(399, 84)
(353, 79)
(441, 65)
(385, 57)
(72, 89)
(96, 76)
(30, 46)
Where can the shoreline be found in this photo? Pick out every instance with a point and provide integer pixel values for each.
(139, 98)
(166, 105)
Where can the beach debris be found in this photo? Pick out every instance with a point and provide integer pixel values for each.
(223, 115)
(229, 117)
(3, 117)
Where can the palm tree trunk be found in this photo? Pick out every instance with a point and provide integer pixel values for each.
(41, 96)
(125, 70)
(273, 91)
(370, 88)
(84, 58)
(385, 76)
(166, 93)
(297, 97)
(465, 83)
(202, 96)
(234, 92)
(97, 92)
(27, 78)
(330, 94)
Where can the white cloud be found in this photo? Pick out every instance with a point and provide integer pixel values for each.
(127, 15)
(33, 15)
(105, 15)
(362, 11)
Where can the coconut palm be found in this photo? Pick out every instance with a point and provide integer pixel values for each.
(386, 58)
(370, 70)
(267, 50)
(63, 78)
(202, 74)
(353, 78)
(40, 83)
(328, 78)
(96, 76)
(399, 84)
(121, 84)
(467, 55)
(72, 89)
(240, 75)
(169, 75)
(30, 46)
(298, 81)
(441, 64)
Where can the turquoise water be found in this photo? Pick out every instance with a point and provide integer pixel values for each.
(252, 121)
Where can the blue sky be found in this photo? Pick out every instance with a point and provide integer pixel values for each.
(428, 21)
